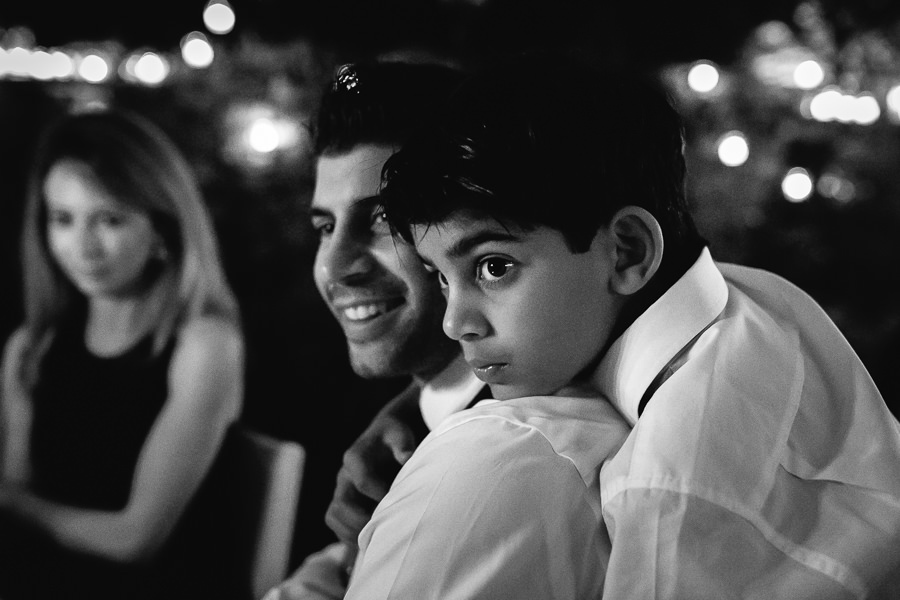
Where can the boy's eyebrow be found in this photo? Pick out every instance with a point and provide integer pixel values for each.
(464, 245)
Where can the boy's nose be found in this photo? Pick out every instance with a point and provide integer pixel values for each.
(463, 320)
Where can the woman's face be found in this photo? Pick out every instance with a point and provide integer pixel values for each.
(101, 244)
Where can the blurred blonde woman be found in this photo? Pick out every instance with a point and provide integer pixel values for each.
(119, 387)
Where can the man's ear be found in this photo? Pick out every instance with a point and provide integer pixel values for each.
(638, 243)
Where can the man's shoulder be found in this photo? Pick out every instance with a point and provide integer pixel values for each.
(552, 416)
(537, 431)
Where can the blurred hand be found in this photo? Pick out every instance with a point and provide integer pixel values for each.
(322, 576)
(371, 464)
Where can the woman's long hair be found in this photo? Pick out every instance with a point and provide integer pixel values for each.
(140, 167)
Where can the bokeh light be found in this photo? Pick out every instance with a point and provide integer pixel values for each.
(218, 16)
(17, 61)
(865, 109)
(196, 50)
(93, 68)
(259, 136)
(62, 65)
(703, 76)
(834, 186)
(733, 150)
(41, 65)
(892, 101)
(893, 98)
(797, 185)
(151, 68)
(808, 75)
(262, 135)
(832, 105)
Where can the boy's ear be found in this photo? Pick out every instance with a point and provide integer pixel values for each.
(638, 241)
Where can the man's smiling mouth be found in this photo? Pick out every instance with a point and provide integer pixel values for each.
(368, 311)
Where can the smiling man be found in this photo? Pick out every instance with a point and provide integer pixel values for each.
(376, 289)
(389, 306)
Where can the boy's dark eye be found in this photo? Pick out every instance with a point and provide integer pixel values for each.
(380, 222)
(493, 268)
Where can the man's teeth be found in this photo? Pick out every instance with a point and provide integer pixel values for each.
(364, 311)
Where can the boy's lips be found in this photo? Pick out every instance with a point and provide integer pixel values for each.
(489, 372)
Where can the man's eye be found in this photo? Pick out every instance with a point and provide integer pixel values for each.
(322, 228)
(493, 268)
(443, 281)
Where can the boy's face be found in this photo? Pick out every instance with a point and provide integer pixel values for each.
(530, 314)
(388, 305)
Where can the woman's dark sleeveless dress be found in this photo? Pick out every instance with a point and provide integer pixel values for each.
(91, 417)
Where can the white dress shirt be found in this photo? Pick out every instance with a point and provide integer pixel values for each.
(501, 501)
(323, 576)
(765, 463)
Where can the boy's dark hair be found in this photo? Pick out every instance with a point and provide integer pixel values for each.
(379, 103)
(549, 141)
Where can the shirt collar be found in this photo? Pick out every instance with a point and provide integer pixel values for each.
(448, 392)
(659, 334)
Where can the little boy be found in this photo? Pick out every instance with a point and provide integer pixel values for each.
(762, 461)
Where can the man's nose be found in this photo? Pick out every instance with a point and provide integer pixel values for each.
(344, 259)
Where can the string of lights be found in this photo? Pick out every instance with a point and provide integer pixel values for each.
(22, 58)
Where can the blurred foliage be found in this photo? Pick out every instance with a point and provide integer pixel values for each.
(841, 251)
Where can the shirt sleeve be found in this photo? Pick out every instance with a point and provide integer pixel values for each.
(486, 509)
(669, 544)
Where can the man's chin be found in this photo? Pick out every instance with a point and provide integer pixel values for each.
(376, 361)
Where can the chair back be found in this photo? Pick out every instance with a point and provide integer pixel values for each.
(268, 473)
(234, 541)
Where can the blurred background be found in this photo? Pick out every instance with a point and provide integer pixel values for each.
(793, 140)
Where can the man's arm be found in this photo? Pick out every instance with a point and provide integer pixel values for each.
(369, 468)
(373, 461)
